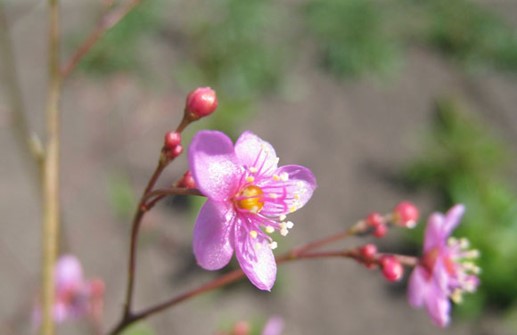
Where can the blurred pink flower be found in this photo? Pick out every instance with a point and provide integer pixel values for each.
(249, 197)
(75, 296)
(274, 326)
(445, 270)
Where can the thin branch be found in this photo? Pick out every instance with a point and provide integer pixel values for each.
(107, 22)
(359, 227)
(135, 227)
(239, 274)
(51, 209)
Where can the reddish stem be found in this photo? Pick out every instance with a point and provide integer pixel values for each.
(217, 283)
(359, 227)
(135, 227)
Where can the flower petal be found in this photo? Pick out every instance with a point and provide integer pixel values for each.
(254, 152)
(438, 307)
(434, 235)
(255, 258)
(418, 287)
(274, 326)
(68, 272)
(289, 191)
(453, 218)
(211, 244)
(214, 165)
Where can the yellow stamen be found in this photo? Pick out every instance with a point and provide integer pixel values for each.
(250, 198)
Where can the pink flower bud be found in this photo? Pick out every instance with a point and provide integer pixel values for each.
(405, 214)
(374, 219)
(172, 139)
(187, 181)
(176, 151)
(368, 251)
(380, 231)
(201, 102)
(392, 269)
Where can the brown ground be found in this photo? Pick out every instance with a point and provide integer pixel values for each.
(346, 132)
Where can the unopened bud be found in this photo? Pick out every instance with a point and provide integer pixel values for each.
(187, 181)
(172, 140)
(176, 151)
(391, 267)
(405, 214)
(368, 251)
(374, 219)
(200, 103)
(380, 231)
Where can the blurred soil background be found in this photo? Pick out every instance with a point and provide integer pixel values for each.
(383, 100)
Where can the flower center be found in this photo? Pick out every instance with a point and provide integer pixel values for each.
(250, 199)
(429, 260)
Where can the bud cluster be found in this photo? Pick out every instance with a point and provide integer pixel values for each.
(404, 215)
(172, 147)
(392, 269)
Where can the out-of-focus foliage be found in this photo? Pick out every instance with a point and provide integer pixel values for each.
(353, 35)
(237, 49)
(357, 37)
(472, 34)
(464, 163)
(243, 47)
(233, 45)
(139, 328)
(119, 49)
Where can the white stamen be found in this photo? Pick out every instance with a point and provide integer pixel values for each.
(270, 230)
(253, 169)
(472, 254)
(273, 245)
(284, 176)
(282, 217)
(289, 225)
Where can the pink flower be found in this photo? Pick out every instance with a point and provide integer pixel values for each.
(75, 296)
(445, 270)
(273, 326)
(249, 197)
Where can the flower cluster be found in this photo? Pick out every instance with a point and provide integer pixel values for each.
(249, 197)
(445, 270)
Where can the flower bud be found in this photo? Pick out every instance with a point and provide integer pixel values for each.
(368, 251)
(176, 151)
(200, 103)
(380, 231)
(392, 269)
(405, 214)
(187, 181)
(374, 220)
(172, 140)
